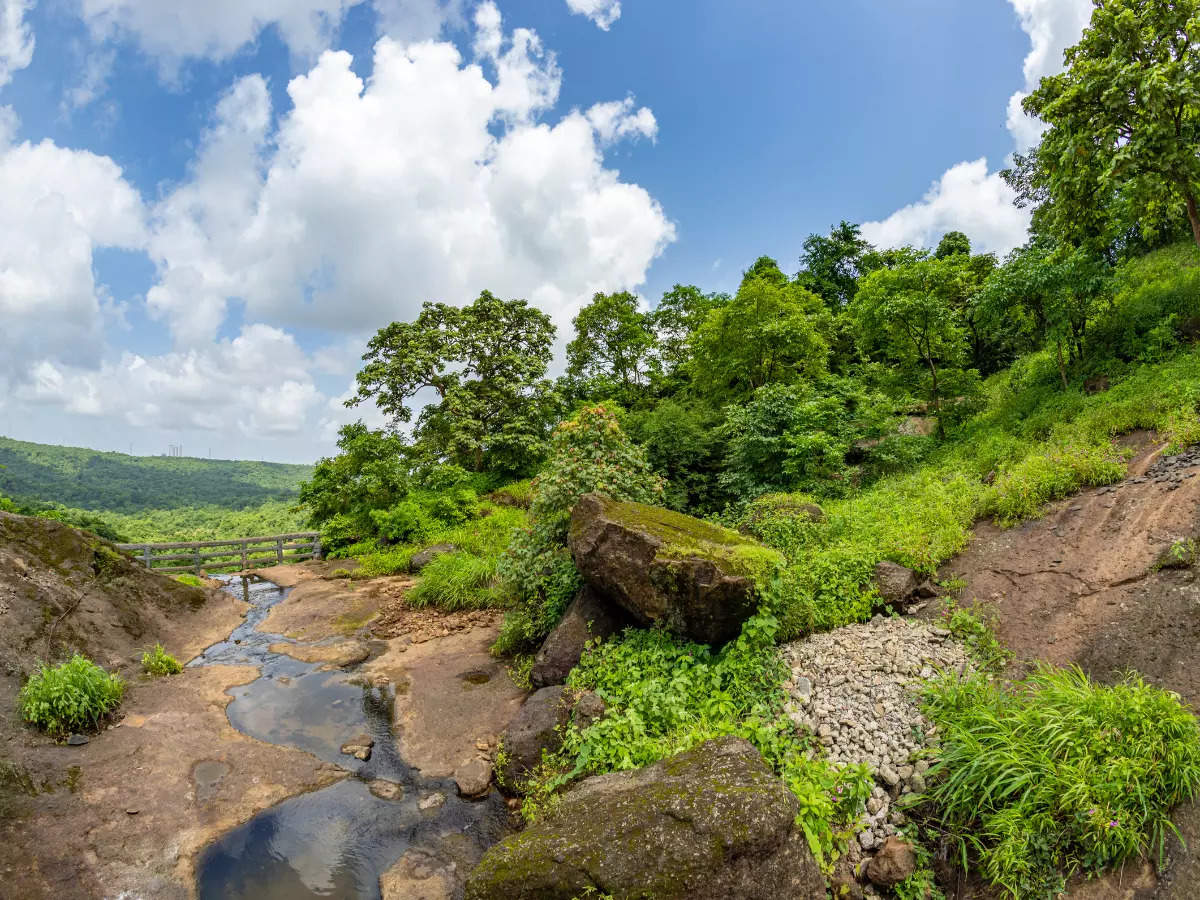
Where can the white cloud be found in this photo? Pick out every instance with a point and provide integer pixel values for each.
(258, 382)
(16, 38)
(428, 182)
(59, 206)
(602, 12)
(1052, 26)
(617, 120)
(966, 198)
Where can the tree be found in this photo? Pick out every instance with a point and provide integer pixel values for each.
(1124, 118)
(485, 362)
(829, 266)
(909, 312)
(613, 347)
(680, 312)
(770, 332)
(953, 243)
(370, 472)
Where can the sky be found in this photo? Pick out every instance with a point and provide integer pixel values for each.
(211, 205)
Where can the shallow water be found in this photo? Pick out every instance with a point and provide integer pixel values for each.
(337, 841)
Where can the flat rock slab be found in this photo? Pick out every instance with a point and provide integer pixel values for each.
(335, 655)
(317, 608)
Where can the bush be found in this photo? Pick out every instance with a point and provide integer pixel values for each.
(190, 580)
(1057, 773)
(159, 662)
(587, 453)
(70, 697)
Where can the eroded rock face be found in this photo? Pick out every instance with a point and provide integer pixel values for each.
(587, 618)
(710, 823)
(664, 568)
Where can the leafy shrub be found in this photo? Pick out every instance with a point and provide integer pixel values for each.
(1057, 773)
(587, 453)
(1022, 489)
(665, 696)
(518, 494)
(190, 580)
(70, 697)
(159, 662)
(407, 522)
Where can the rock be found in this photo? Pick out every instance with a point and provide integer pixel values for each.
(587, 710)
(533, 729)
(896, 584)
(927, 590)
(587, 618)
(433, 801)
(473, 778)
(77, 740)
(694, 578)
(710, 823)
(890, 778)
(359, 747)
(894, 862)
(423, 558)
(844, 882)
(386, 790)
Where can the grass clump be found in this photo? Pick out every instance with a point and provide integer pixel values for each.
(457, 581)
(1056, 774)
(190, 580)
(158, 662)
(665, 696)
(72, 696)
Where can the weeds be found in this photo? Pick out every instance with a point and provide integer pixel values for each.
(190, 580)
(976, 630)
(158, 662)
(70, 697)
(1057, 775)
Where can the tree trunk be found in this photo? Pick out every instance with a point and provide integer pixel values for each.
(1193, 215)
(937, 397)
(1062, 369)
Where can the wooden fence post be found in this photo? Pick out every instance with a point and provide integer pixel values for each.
(196, 559)
(146, 557)
(244, 563)
(316, 551)
(279, 551)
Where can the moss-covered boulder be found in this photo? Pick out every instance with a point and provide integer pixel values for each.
(713, 822)
(695, 578)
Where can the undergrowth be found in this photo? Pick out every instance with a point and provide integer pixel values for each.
(1055, 774)
(72, 696)
(159, 662)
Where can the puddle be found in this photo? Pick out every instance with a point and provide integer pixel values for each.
(335, 842)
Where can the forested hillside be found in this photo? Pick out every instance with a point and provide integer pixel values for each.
(115, 482)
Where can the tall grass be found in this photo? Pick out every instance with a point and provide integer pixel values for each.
(1056, 774)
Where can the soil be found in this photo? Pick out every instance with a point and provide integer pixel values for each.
(1081, 585)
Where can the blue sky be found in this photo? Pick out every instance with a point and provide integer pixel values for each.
(208, 217)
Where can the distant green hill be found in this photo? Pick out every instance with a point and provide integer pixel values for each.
(115, 482)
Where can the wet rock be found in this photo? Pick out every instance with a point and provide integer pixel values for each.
(359, 747)
(894, 862)
(432, 801)
(896, 584)
(694, 578)
(720, 824)
(473, 778)
(534, 728)
(424, 557)
(386, 790)
(77, 740)
(587, 618)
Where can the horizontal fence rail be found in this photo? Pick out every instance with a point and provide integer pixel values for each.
(217, 556)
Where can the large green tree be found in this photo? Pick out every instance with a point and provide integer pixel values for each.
(680, 312)
(829, 266)
(612, 354)
(485, 363)
(1124, 120)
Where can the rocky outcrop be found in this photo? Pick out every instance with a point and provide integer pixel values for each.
(896, 584)
(710, 823)
(424, 557)
(586, 619)
(694, 578)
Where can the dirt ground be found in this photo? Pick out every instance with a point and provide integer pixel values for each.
(1081, 585)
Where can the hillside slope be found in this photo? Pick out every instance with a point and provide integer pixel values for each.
(115, 482)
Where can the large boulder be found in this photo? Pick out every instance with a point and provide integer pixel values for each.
(896, 584)
(691, 577)
(710, 823)
(587, 618)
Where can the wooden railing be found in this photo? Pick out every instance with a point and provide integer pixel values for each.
(239, 553)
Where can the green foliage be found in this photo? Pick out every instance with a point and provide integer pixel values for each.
(665, 696)
(588, 453)
(683, 444)
(486, 363)
(1057, 774)
(81, 479)
(1058, 471)
(612, 353)
(207, 523)
(518, 494)
(190, 580)
(922, 883)
(829, 266)
(975, 630)
(72, 696)
(159, 662)
(457, 581)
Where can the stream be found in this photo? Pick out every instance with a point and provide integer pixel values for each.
(337, 841)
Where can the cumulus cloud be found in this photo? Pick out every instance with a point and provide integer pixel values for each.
(617, 120)
(602, 12)
(1052, 26)
(966, 198)
(16, 38)
(429, 181)
(60, 206)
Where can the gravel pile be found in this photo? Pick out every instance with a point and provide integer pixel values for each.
(1170, 471)
(858, 689)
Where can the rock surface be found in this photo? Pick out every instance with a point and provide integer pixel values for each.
(534, 728)
(710, 823)
(473, 778)
(694, 578)
(587, 618)
(896, 584)
(858, 689)
(894, 862)
(424, 557)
